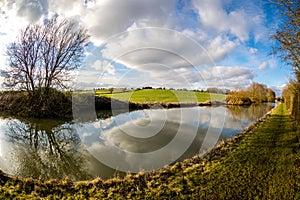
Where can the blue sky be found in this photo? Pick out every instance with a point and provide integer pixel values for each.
(163, 43)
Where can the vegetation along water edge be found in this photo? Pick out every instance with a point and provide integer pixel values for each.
(52, 103)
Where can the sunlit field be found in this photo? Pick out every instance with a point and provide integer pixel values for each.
(161, 96)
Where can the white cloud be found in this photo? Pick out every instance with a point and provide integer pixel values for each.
(212, 15)
(228, 76)
(104, 66)
(161, 52)
(154, 45)
(278, 89)
(166, 47)
(219, 48)
(24, 10)
(89, 79)
(253, 50)
(263, 66)
(31, 10)
(219, 76)
(110, 17)
(272, 63)
(68, 8)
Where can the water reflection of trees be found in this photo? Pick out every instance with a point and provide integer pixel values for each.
(47, 149)
(252, 112)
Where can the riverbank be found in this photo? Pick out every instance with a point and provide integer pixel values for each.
(262, 162)
(52, 103)
(56, 104)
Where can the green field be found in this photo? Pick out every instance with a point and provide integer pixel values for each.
(261, 163)
(161, 96)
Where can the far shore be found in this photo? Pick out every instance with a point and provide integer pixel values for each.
(61, 105)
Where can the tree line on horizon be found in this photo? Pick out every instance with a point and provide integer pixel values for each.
(125, 89)
(254, 93)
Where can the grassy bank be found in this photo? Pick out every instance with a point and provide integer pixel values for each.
(161, 96)
(260, 163)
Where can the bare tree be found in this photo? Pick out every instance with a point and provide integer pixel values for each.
(288, 35)
(287, 47)
(257, 92)
(44, 55)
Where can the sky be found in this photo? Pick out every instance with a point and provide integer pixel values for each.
(193, 44)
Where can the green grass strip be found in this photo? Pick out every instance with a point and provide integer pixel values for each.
(262, 163)
(161, 96)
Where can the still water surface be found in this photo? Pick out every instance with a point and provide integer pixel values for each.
(129, 142)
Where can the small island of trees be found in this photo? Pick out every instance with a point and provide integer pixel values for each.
(255, 93)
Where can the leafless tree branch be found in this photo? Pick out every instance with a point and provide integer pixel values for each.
(44, 54)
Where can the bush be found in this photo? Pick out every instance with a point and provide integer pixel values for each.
(41, 103)
(237, 100)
